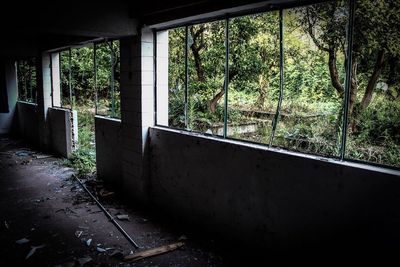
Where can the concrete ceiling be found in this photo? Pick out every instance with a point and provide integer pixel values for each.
(36, 26)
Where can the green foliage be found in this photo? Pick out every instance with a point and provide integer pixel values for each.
(83, 78)
(314, 78)
(379, 123)
(83, 160)
(26, 75)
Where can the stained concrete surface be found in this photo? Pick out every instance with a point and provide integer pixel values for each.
(42, 203)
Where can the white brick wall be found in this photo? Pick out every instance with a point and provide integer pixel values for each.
(162, 78)
(137, 110)
(55, 71)
(44, 98)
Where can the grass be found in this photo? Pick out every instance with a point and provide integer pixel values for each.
(83, 159)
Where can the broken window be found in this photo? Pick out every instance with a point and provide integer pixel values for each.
(310, 118)
(254, 73)
(374, 97)
(176, 77)
(89, 75)
(26, 75)
(107, 78)
(282, 78)
(66, 81)
(206, 62)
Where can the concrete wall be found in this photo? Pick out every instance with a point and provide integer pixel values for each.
(7, 119)
(55, 79)
(108, 150)
(28, 121)
(137, 111)
(44, 99)
(61, 134)
(270, 198)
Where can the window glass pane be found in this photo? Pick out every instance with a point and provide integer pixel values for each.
(108, 83)
(314, 53)
(176, 78)
(65, 81)
(116, 79)
(253, 76)
(206, 77)
(374, 121)
(26, 74)
(103, 78)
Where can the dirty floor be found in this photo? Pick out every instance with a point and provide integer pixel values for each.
(47, 219)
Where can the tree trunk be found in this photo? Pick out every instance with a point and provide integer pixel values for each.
(262, 90)
(379, 64)
(212, 104)
(198, 64)
(334, 73)
(197, 45)
(353, 87)
(214, 101)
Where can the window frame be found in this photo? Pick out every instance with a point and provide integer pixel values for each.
(269, 8)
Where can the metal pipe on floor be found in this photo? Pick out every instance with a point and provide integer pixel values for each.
(119, 227)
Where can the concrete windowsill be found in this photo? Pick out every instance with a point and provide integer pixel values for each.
(27, 103)
(282, 151)
(107, 118)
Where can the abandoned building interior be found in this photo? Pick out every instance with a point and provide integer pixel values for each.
(269, 126)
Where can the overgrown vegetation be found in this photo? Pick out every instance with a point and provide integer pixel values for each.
(26, 73)
(83, 159)
(83, 96)
(310, 118)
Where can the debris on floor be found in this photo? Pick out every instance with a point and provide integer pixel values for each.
(123, 217)
(23, 153)
(153, 252)
(33, 250)
(84, 260)
(41, 156)
(78, 233)
(101, 250)
(22, 241)
(44, 204)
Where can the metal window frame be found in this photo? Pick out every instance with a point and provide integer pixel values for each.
(28, 61)
(226, 17)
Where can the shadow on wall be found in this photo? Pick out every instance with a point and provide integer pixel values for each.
(28, 122)
(271, 199)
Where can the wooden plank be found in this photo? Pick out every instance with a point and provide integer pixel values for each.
(153, 252)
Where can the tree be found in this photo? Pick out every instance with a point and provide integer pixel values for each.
(376, 42)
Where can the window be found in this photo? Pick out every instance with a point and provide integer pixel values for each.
(254, 76)
(176, 78)
(310, 118)
(26, 75)
(88, 76)
(374, 102)
(282, 78)
(66, 79)
(206, 58)
(107, 73)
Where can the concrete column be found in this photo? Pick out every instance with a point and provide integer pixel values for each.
(10, 73)
(162, 78)
(137, 110)
(43, 98)
(55, 71)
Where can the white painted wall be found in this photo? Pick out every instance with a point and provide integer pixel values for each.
(162, 78)
(6, 119)
(55, 72)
